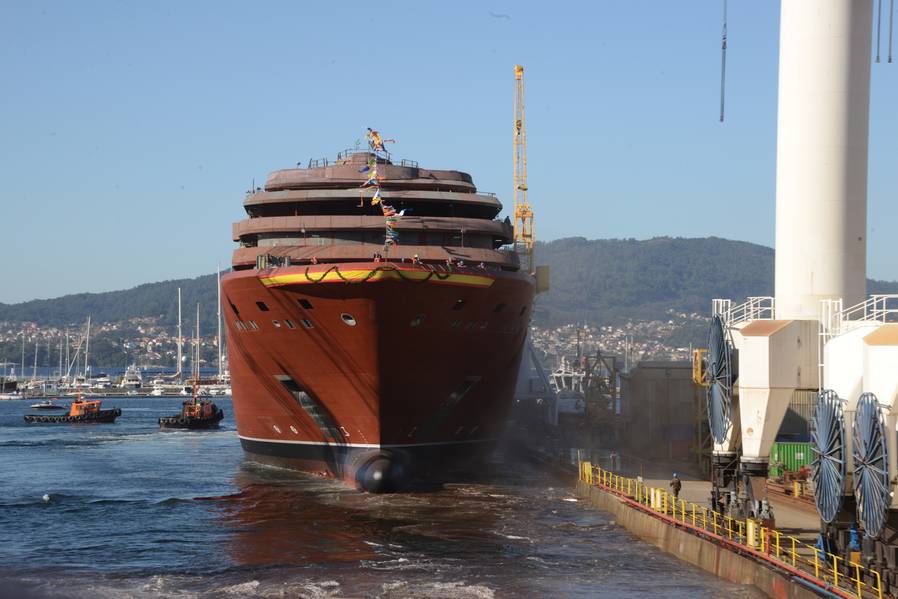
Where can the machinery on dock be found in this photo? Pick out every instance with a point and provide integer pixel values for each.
(804, 340)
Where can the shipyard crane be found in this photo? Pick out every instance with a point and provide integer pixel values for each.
(523, 215)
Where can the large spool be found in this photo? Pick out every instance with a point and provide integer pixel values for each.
(871, 465)
(720, 381)
(830, 458)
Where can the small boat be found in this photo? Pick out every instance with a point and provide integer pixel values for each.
(195, 413)
(47, 405)
(80, 411)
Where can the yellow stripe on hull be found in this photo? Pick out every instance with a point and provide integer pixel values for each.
(374, 275)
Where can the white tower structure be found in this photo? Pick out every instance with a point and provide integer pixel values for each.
(821, 207)
(821, 154)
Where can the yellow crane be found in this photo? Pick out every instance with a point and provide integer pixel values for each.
(523, 215)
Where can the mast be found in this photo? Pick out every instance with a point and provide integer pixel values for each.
(196, 354)
(34, 368)
(22, 367)
(178, 373)
(86, 348)
(67, 363)
(218, 321)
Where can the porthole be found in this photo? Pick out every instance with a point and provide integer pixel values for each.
(307, 323)
(305, 304)
(498, 308)
(293, 428)
(417, 320)
(348, 319)
(253, 324)
(289, 324)
(523, 309)
(262, 306)
(459, 304)
(276, 323)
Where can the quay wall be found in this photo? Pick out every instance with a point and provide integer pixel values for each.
(695, 550)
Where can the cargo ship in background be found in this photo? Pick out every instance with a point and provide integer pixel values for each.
(376, 318)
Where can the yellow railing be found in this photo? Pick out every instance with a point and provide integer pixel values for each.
(834, 573)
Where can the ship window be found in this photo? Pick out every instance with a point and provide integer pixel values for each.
(289, 324)
(276, 323)
(459, 304)
(262, 306)
(307, 323)
(348, 319)
(417, 320)
(498, 308)
(253, 324)
(305, 304)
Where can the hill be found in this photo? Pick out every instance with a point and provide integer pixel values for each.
(602, 281)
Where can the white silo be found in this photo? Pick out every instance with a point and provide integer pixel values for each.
(821, 195)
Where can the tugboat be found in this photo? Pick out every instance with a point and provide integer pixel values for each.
(80, 411)
(196, 413)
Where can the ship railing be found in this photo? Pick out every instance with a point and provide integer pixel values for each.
(839, 575)
(317, 162)
(382, 154)
(264, 261)
(760, 307)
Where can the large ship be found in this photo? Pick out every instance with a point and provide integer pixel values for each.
(376, 316)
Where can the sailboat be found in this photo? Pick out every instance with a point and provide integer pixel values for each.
(195, 413)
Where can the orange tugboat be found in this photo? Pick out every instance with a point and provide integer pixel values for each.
(196, 413)
(80, 411)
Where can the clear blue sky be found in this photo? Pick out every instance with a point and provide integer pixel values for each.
(130, 130)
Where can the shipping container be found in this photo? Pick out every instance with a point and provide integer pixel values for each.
(789, 457)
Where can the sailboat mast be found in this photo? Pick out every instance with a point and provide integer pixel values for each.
(22, 367)
(86, 348)
(218, 321)
(178, 373)
(34, 368)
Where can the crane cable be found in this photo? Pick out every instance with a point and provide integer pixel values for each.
(723, 60)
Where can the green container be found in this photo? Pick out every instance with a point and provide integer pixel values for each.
(792, 456)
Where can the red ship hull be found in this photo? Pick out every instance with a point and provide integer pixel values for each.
(370, 372)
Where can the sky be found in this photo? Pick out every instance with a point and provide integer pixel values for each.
(129, 131)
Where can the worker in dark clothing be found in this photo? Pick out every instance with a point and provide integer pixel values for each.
(675, 485)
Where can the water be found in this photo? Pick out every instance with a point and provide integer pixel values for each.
(137, 512)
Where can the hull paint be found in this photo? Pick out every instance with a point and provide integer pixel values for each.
(393, 372)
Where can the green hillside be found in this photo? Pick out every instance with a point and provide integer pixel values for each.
(605, 281)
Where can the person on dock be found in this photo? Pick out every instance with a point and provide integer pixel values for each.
(675, 485)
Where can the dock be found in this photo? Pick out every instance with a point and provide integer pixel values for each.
(777, 558)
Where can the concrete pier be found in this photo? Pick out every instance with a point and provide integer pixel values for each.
(778, 559)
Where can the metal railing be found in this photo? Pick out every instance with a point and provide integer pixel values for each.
(824, 570)
(753, 308)
(835, 320)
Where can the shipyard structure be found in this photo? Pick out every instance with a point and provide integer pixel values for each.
(376, 319)
(820, 334)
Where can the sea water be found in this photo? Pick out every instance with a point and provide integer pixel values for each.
(133, 511)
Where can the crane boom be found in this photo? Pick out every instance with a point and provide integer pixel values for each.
(523, 215)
